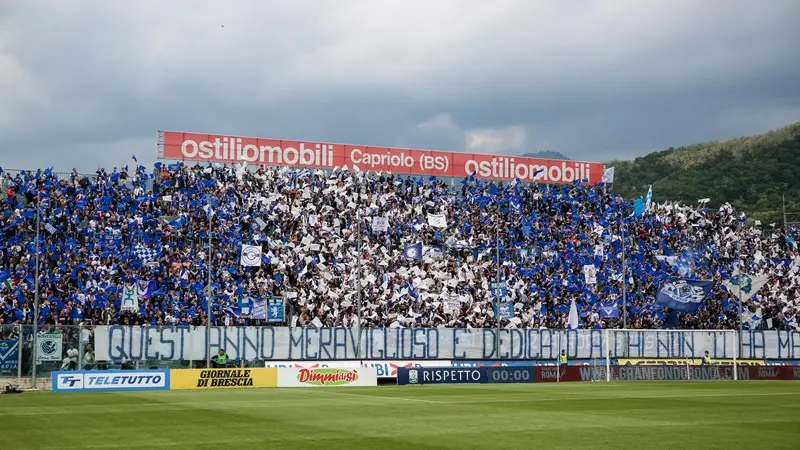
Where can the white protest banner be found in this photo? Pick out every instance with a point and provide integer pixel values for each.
(437, 220)
(380, 224)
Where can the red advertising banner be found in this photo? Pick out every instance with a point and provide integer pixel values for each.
(774, 373)
(553, 374)
(319, 155)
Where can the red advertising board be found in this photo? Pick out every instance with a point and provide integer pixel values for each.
(774, 373)
(552, 374)
(277, 152)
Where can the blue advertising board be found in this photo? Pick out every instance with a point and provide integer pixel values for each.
(9, 355)
(454, 375)
(111, 380)
(442, 375)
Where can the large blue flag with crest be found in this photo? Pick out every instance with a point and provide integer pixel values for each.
(682, 294)
(609, 310)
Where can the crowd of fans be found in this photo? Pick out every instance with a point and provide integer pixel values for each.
(323, 253)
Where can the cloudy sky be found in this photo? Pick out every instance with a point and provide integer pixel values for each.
(87, 82)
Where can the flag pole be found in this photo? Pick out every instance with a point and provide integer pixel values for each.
(36, 294)
(208, 296)
(358, 277)
(497, 300)
(741, 303)
(624, 279)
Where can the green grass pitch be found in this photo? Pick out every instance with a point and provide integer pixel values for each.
(636, 415)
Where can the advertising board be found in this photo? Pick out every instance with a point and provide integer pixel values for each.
(9, 356)
(552, 374)
(668, 373)
(111, 380)
(327, 377)
(384, 369)
(223, 378)
(442, 375)
(774, 373)
(277, 152)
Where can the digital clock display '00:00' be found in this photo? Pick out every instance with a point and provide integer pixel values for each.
(510, 375)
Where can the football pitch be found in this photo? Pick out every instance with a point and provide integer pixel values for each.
(691, 415)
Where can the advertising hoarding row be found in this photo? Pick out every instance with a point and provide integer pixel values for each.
(201, 379)
(318, 155)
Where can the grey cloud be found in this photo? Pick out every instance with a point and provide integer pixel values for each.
(592, 79)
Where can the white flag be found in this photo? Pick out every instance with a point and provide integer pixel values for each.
(380, 224)
(608, 175)
(251, 255)
(437, 220)
(130, 299)
(451, 303)
(261, 224)
(590, 274)
(572, 324)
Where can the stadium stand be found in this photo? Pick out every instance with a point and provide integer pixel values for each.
(151, 227)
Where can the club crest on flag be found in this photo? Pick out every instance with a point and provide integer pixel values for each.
(251, 255)
(413, 251)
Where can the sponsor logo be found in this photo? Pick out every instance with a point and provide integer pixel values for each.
(552, 373)
(636, 373)
(413, 376)
(327, 377)
(797, 373)
(450, 375)
(225, 378)
(278, 152)
(768, 372)
(69, 382)
(92, 381)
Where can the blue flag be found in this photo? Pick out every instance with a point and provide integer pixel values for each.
(609, 310)
(638, 207)
(683, 295)
(413, 251)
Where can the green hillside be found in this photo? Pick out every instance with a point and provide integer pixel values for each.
(752, 173)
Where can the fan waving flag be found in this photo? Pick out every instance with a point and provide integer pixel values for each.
(608, 175)
(437, 220)
(251, 255)
(146, 254)
(609, 310)
(572, 322)
(130, 299)
(413, 251)
(683, 295)
(380, 224)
